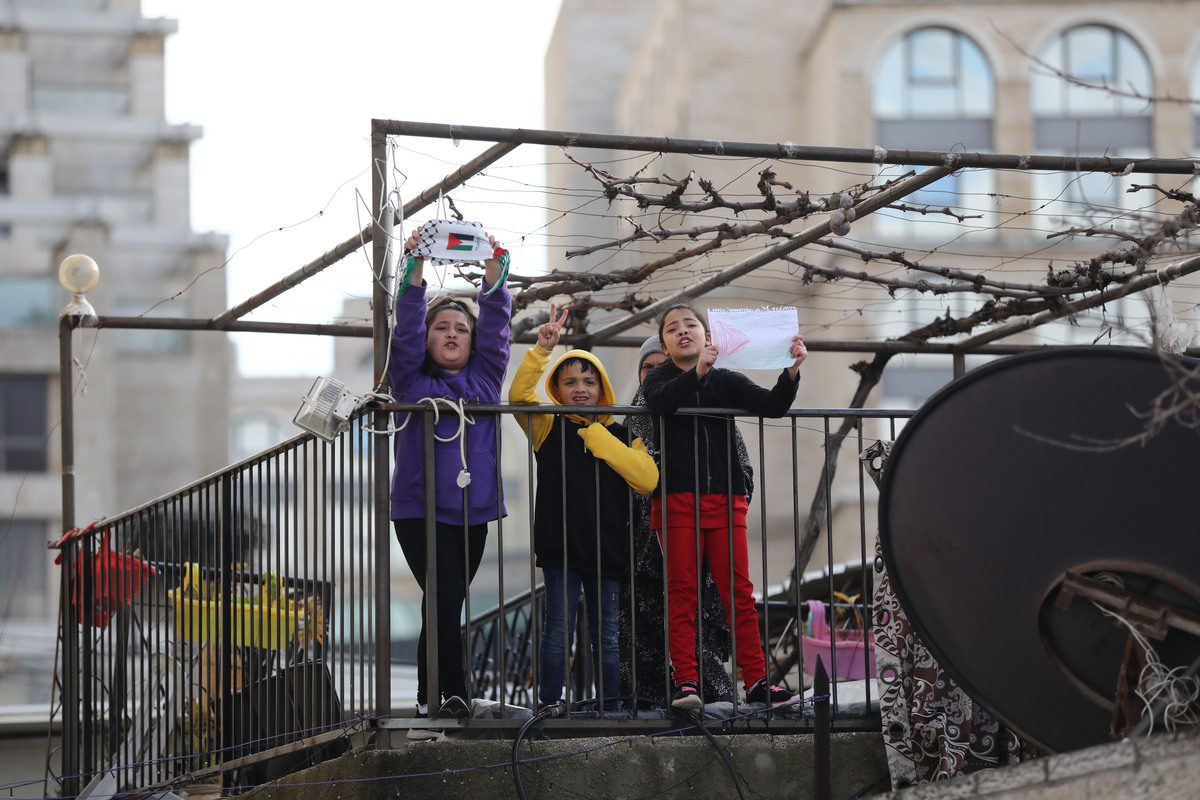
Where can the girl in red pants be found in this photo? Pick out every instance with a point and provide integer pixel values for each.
(695, 462)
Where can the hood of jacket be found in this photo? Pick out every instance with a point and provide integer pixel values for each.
(607, 396)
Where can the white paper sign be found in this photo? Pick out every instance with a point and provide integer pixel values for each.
(753, 338)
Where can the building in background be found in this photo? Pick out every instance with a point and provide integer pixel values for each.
(88, 164)
(932, 75)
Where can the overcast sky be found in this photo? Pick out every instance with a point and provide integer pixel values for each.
(285, 93)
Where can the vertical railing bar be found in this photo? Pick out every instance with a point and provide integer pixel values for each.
(768, 654)
(432, 682)
(569, 679)
(226, 612)
(466, 566)
(86, 590)
(352, 654)
(666, 631)
(698, 544)
(598, 639)
(633, 621)
(534, 628)
(798, 579)
(261, 546)
(502, 644)
(829, 569)
(333, 648)
(866, 597)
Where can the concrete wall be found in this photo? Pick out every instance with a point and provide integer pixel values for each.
(665, 768)
(1162, 767)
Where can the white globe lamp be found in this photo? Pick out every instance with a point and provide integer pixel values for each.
(78, 273)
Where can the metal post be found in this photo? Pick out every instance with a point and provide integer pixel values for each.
(433, 686)
(70, 627)
(960, 364)
(821, 764)
(225, 718)
(381, 233)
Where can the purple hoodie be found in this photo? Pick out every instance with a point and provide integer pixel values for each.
(478, 382)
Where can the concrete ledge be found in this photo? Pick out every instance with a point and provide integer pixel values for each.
(661, 767)
(1161, 767)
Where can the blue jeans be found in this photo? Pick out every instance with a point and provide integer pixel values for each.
(602, 627)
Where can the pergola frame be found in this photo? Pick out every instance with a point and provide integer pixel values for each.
(506, 140)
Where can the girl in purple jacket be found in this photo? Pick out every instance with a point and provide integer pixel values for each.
(444, 351)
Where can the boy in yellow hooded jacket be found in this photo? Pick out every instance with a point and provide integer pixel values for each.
(581, 513)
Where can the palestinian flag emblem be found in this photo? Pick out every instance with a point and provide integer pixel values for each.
(460, 241)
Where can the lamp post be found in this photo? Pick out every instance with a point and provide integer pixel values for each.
(78, 274)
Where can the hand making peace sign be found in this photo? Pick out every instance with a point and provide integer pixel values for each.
(549, 332)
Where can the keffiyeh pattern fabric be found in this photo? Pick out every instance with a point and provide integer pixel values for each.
(447, 242)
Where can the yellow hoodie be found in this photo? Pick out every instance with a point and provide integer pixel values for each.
(631, 462)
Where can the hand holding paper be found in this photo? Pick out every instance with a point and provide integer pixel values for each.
(756, 338)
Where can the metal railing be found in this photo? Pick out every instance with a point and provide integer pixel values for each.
(220, 624)
(235, 620)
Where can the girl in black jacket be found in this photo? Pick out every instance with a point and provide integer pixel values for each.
(699, 475)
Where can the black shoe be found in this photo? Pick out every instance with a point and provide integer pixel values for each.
(422, 734)
(770, 694)
(687, 696)
(455, 706)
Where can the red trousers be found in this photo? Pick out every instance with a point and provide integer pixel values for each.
(683, 571)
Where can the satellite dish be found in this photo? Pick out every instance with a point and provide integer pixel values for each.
(1006, 510)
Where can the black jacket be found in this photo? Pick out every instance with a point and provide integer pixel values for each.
(570, 512)
(668, 388)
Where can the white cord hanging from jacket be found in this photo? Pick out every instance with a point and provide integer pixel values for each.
(464, 419)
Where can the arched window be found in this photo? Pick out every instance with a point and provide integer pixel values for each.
(1088, 99)
(934, 90)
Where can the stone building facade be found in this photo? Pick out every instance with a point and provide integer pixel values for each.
(89, 164)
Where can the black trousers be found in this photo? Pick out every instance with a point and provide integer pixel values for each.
(457, 563)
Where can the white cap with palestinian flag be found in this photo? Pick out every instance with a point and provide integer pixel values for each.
(445, 241)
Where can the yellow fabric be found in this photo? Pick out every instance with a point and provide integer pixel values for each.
(523, 392)
(631, 462)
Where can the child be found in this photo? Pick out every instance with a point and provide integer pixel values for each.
(699, 474)
(643, 605)
(581, 512)
(444, 352)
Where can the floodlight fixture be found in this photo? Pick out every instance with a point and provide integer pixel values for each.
(326, 410)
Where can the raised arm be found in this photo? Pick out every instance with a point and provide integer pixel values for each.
(745, 393)
(523, 390)
(495, 312)
(408, 332)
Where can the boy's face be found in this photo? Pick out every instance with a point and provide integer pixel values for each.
(576, 387)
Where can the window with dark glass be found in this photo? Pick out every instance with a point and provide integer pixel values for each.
(23, 423)
(23, 570)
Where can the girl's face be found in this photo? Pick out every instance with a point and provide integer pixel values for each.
(576, 387)
(651, 361)
(683, 335)
(448, 340)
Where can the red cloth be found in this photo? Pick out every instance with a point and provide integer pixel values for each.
(682, 578)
